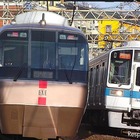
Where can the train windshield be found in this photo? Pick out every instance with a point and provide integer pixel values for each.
(71, 52)
(120, 67)
(38, 54)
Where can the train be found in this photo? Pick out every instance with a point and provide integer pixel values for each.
(114, 89)
(43, 77)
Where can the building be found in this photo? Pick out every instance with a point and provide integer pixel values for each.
(117, 32)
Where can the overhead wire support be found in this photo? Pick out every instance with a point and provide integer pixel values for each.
(7, 15)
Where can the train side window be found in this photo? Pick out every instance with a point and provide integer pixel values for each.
(97, 73)
(94, 77)
(111, 73)
(137, 56)
(102, 72)
(137, 77)
(90, 78)
(1, 55)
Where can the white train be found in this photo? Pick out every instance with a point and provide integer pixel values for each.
(114, 88)
(43, 77)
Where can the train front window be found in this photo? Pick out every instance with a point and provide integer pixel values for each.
(13, 53)
(71, 53)
(43, 54)
(72, 57)
(120, 67)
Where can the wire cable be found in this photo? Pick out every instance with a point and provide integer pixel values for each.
(74, 8)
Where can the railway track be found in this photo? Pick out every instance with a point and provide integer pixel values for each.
(84, 133)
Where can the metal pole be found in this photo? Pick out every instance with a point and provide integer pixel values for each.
(47, 5)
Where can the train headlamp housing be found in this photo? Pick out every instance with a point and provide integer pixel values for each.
(116, 92)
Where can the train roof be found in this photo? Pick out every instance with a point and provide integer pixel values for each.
(32, 20)
(44, 16)
(126, 46)
(38, 26)
(134, 44)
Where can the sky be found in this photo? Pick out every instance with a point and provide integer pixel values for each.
(105, 4)
(115, 5)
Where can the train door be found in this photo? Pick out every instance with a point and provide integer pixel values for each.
(135, 90)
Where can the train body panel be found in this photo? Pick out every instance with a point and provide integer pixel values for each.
(52, 93)
(39, 122)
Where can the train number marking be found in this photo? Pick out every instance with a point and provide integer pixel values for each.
(42, 92)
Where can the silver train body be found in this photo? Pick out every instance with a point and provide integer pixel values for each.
(39, 100)
(114, 88)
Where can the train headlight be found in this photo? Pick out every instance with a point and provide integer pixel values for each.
(116, 92)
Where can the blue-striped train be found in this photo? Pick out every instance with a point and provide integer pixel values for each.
(114, 89)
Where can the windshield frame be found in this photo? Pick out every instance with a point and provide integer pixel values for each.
(128, 58)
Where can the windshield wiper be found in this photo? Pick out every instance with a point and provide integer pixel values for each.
(125, 83)
(19, 72)
(66, 73)
(69, 76)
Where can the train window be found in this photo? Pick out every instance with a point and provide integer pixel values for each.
(68, 51)
(97, 73)
(72, 51)
(94, 77)
(43, 36)
(1, 52)
(71, 56)
(108, 28)
(15, 56)
(137, 77)
(43, 50)
(137, 56)
(13, 48)
(102, 72)
(43, 55)
(120, 67)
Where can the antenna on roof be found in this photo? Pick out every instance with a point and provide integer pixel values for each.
(43, 21)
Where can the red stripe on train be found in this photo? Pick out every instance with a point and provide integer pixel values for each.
(41, 100)
(43, 84)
